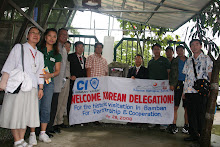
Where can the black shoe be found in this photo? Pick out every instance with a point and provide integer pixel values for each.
(64, 126)
(56, 129)
(52, 131)
(50, 135)
(191, 138)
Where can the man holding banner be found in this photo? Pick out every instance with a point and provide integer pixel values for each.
(158, 69)
(77, 68)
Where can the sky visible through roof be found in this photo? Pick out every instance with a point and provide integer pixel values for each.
(100, 21)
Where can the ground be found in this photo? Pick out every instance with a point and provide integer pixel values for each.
(117, 135)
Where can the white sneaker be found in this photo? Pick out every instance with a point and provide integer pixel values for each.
(25, 144)
(32, 140)
(44, 138)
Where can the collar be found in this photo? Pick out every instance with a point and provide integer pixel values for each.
(78, 55)
(201, 54)
(30, 47)
(97, 55)
(138, 67)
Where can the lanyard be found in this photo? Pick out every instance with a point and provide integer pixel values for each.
(33, 56)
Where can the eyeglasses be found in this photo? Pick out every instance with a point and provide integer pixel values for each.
(33, 33)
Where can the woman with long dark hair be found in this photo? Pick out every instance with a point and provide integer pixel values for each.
(52, 60)
(21, 110)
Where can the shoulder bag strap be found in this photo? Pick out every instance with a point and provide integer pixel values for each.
(22, 56)
(194, 68)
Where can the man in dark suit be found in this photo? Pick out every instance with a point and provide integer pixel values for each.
(77, 68)
(138, 71)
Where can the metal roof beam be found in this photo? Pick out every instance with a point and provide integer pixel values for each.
(135, 11)
(164, 5)
(52, 4)
(25, 15)
(162, 1)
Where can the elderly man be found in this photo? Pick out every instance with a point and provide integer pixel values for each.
(63, 96)
(96, 65)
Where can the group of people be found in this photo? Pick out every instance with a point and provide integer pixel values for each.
(180, 73)
(52, 72)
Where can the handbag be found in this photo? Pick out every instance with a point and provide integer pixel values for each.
(22, 57)
(202, 86)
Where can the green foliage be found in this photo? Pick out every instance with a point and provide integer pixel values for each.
(209, 18)
(131, 50)
(138, 31)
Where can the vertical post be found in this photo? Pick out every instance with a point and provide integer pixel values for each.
(127, 52)
(121, 50)
(132, 52)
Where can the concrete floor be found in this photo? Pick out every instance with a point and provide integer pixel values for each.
(118, 135)
(109, 135)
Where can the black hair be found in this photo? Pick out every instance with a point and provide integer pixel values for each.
(156, 44)
(169, 48)
(61, 30)
(78, 43)
(43, 43)
(69, 42)
(193, 40)
(98, 43)
(180, 46)
(139, 56)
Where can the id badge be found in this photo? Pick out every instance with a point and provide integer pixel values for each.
(52, 59)
(34, 68)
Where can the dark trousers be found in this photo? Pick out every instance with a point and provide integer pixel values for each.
(196, 109)
(53, 111)
(70, 98)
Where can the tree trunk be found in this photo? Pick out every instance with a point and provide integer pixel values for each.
(211, 104)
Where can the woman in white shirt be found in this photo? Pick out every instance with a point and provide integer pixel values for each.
(21, 110)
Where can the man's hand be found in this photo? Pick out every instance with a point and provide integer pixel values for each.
(183, 96)
(73, 78)
(133, 77)
(172, 87)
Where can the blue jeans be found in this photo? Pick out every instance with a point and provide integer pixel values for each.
(45, 103)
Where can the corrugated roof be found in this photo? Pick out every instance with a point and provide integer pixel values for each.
(163, 13)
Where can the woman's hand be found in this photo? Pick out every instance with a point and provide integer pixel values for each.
(46, 76)
(4, 80)
(40, 93)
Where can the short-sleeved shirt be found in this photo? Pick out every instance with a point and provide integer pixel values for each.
(98, 65)
(181, 76)
(203, 65)
(157, 69)
(50, 59)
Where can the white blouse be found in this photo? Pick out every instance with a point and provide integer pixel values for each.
(14, 61)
